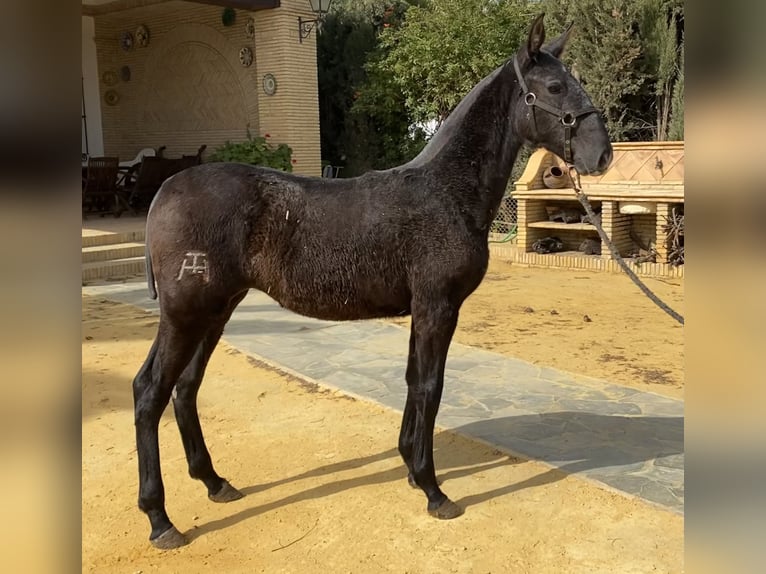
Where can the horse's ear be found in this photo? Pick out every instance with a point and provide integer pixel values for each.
(536, 37)
(556, 47)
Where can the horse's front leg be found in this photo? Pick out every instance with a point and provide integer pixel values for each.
(407, 431)
(433, 326)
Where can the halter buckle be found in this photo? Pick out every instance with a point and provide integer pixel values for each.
(530, 98)
(568, 119)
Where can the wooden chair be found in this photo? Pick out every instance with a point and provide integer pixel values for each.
(148, 178)
(331, 170)
(100, 192)
(145, 180)
(130, 167)
(191, 160)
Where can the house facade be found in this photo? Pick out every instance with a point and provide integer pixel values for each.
(184, 74)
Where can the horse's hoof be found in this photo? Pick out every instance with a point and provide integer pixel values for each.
(446, 510)
(227, 493)
(169, 539)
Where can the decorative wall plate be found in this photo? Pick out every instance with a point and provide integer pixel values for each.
(246, 56)
(111, 97)
(250, 27)
(125, 73)
(142, 35)
(126, 41)
(109, 78)
(269, 84)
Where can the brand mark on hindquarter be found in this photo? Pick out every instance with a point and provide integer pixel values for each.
(194, 263)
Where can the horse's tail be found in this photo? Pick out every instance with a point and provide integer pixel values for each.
(150, 275)
(149, 271)
(148, 259)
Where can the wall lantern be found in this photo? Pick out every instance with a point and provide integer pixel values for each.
(318, 7)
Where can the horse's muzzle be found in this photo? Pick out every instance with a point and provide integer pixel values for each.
(601, 164)
(605, 160)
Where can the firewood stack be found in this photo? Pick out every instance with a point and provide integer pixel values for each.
(674, 231)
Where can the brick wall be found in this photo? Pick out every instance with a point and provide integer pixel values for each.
(645, 228)
(188, 87)
(517, 255)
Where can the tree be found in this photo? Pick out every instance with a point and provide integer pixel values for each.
(345, 40)
(659, 29)
(445, 47)
(382, 132)
(626, 53)
(604, 52)
(676, 128)
(363, 121)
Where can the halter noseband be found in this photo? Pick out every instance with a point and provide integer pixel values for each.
(568, 119)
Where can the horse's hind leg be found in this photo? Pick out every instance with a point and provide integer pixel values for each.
(187, 417)
(170, 353)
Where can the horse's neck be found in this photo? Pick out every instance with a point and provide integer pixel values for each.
(477, 142)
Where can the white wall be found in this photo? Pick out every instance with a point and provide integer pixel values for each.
(91, 91)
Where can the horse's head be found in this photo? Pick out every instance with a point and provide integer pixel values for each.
(554, 111)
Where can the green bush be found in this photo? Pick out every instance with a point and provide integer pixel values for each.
(256, 151)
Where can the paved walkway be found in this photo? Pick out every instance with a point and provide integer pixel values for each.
(630, 440)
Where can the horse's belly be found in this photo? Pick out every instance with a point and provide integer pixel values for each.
(336, 301)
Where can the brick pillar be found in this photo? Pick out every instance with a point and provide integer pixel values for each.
(291, 114)
(662, 245)
(529, 211)
(617, 228)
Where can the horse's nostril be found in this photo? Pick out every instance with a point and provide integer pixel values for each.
(605, 159)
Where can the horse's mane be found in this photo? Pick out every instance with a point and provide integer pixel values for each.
(454, 121)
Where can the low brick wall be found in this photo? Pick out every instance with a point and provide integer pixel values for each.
(572, 260)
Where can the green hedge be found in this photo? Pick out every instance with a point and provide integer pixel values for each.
(256, 151)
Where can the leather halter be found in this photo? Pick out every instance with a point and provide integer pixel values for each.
(568, 119)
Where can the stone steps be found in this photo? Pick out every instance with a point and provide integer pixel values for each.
(110, 252)
(114, 269)
(113, 256)
(106, 238)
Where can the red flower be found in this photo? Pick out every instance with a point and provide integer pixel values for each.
(294, 161)
(267, 135)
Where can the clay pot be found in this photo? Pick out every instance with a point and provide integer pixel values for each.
(555, 178)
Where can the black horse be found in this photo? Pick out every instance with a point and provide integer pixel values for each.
(408, 240)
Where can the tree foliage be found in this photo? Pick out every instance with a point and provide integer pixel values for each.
(345, 40)
(676, 128)
(445, 47)
(256, 151)
(626, 53)
(363, 121)
(661, 48)
(388, 68)
(383, 132)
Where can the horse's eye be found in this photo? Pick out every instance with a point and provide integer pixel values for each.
(554, 88)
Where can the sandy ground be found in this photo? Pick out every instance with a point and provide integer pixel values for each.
(325, 488)
(539, 315)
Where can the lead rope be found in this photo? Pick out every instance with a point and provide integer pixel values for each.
(583, 199)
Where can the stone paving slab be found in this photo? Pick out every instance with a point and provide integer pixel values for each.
(629, 440)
